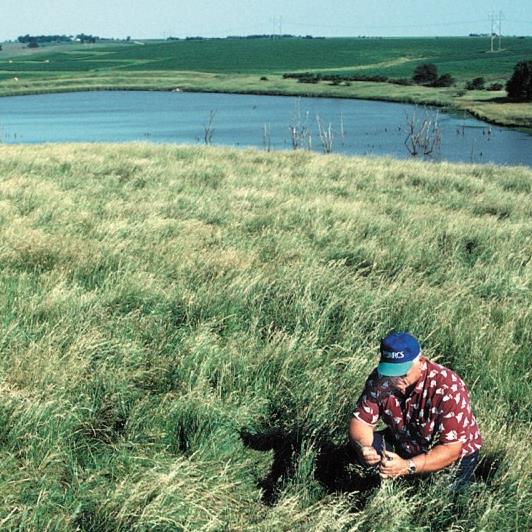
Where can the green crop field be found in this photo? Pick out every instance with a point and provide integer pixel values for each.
(184, 332)
(236, 65)
(464, 58)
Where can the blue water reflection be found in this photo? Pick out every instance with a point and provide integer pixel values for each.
(358, 127)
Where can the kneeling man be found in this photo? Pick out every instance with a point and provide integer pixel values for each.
(426, 407)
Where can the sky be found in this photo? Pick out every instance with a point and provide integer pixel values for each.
(144, 19)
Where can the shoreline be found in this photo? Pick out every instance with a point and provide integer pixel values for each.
(449, 107)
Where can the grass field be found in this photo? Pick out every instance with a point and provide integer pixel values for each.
(184, 332)
(236, 65)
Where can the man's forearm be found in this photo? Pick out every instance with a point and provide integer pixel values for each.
(437, 458)
(360, 433)
(361, 437)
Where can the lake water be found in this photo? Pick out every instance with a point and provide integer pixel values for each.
(358, 127)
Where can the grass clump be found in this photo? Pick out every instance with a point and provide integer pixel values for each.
(184, 332)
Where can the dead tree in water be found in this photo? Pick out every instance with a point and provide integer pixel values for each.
(423, 137)
(208, 128)
(326, 136)
(267, 137)
(299, 130)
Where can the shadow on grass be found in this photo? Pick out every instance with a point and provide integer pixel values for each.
(336, 467)
(500, 99)
(487, 467)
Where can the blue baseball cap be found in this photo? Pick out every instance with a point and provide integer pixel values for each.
(399, 350)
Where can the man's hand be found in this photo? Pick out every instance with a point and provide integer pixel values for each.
(369, 455)
(392, 465)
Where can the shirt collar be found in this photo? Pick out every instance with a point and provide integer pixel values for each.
(421, 382)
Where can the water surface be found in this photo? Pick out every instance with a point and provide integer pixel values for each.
(359, 127)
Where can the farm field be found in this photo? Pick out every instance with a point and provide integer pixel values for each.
(184, 332)
(237, 65)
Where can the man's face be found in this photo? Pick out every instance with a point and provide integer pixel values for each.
(402, 383)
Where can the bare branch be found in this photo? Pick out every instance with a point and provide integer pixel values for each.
(208, 128)
(326, 136)
(422, 137)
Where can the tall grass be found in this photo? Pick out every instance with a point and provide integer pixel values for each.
(184, 332)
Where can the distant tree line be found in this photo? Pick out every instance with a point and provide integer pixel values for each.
(336, 79)
(271, 36)
(519, 86)
(41, 39)
(426, 74)
(257, 36)
(83, 38)
(33, 41)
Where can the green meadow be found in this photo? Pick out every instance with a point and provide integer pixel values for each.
(237, 65)
(184, 332)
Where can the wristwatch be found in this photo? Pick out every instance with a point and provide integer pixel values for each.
(411, 467)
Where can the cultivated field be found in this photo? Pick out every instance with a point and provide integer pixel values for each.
(237, 65)
(184, 332)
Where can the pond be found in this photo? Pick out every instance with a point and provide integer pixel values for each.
(353, 127)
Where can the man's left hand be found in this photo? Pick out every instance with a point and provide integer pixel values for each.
(392, 465)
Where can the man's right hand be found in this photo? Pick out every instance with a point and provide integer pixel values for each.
(369, 455)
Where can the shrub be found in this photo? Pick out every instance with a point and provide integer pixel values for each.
(425, 74)
(308, 78)
(264, 78)
(476, 84)
(495, 87)
(402, 81)
(519, 86)
(445, 80)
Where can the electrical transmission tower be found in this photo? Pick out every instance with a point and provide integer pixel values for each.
(500, 29)
(492, 33)
(277, 27)
(498, 34)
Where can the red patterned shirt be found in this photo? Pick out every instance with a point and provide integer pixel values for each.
(436, 411)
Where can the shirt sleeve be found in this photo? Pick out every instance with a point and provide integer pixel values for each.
(367, 408)
(452, 417)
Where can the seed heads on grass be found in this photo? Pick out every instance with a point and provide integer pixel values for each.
(142, 328)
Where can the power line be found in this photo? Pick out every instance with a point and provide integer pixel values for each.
(278, 22)
(338, 26)
(519, 21)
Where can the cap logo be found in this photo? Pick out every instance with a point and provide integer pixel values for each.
(393, 354)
